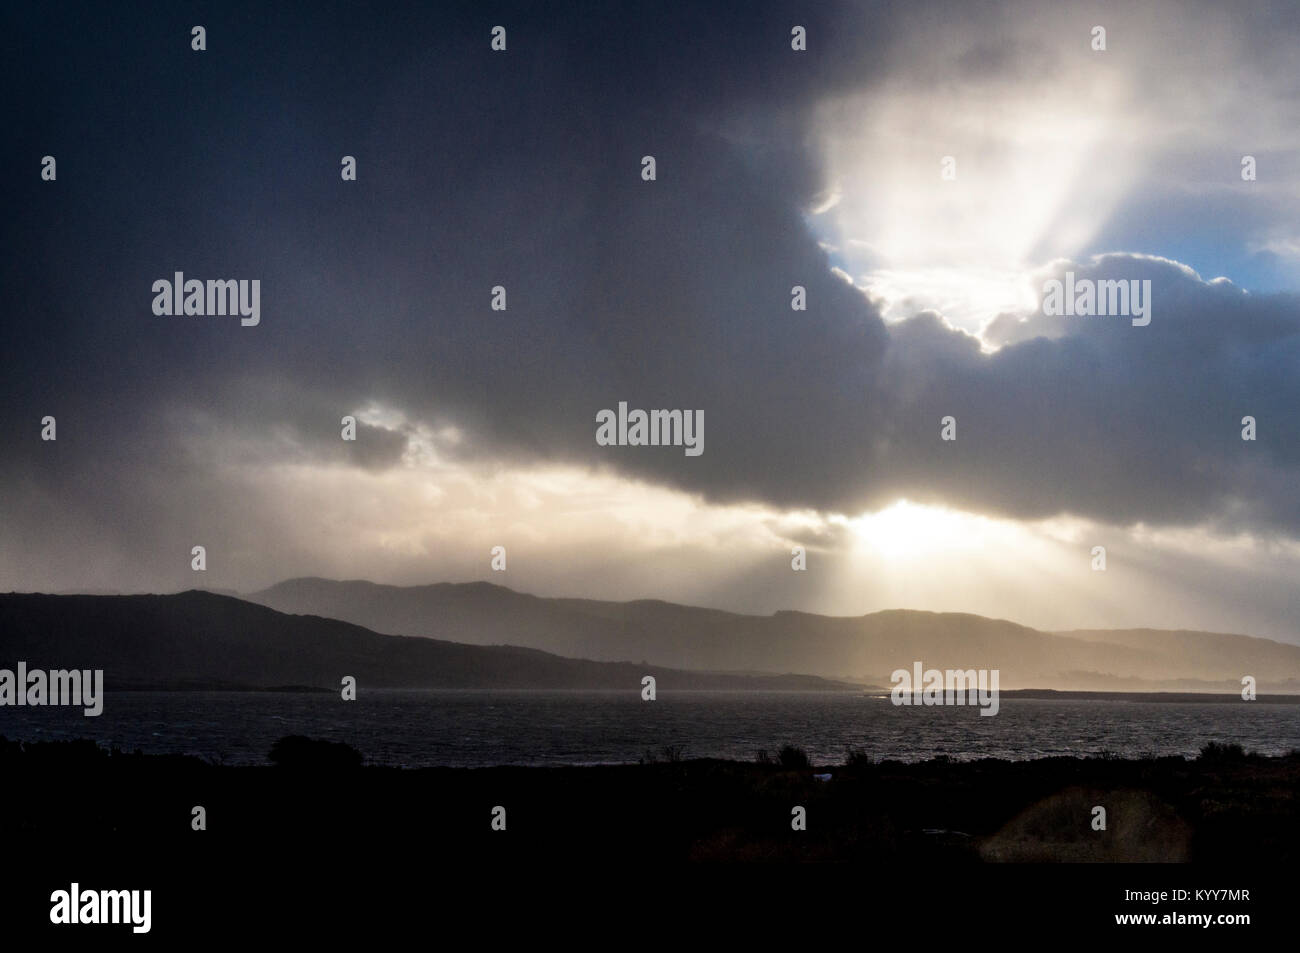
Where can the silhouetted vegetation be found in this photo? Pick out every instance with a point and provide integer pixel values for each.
(858, 758)
(788, 757)
(1217, 808)
(1223, 751)
(669, 754)
(792, 758)
(297, 751)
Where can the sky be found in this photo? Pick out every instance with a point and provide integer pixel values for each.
(822, 168)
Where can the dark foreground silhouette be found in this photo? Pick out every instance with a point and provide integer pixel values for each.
(1218, 808)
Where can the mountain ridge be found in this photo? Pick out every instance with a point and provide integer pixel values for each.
(196, 638)
(865, 648)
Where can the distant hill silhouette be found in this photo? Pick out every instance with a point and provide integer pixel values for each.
(200, 639)
(866, 648)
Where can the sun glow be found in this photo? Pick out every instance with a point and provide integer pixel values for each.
(1033, 177)
(906, 530)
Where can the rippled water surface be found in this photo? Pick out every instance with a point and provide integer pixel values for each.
(469, 728)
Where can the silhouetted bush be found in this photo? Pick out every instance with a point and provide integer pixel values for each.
(673, 754)
(857, 758)
(792, 758)
(1222, 751)
(298, 751)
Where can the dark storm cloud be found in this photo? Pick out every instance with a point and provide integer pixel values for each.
(522, 169)
(1112, 421)
(377, 448)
